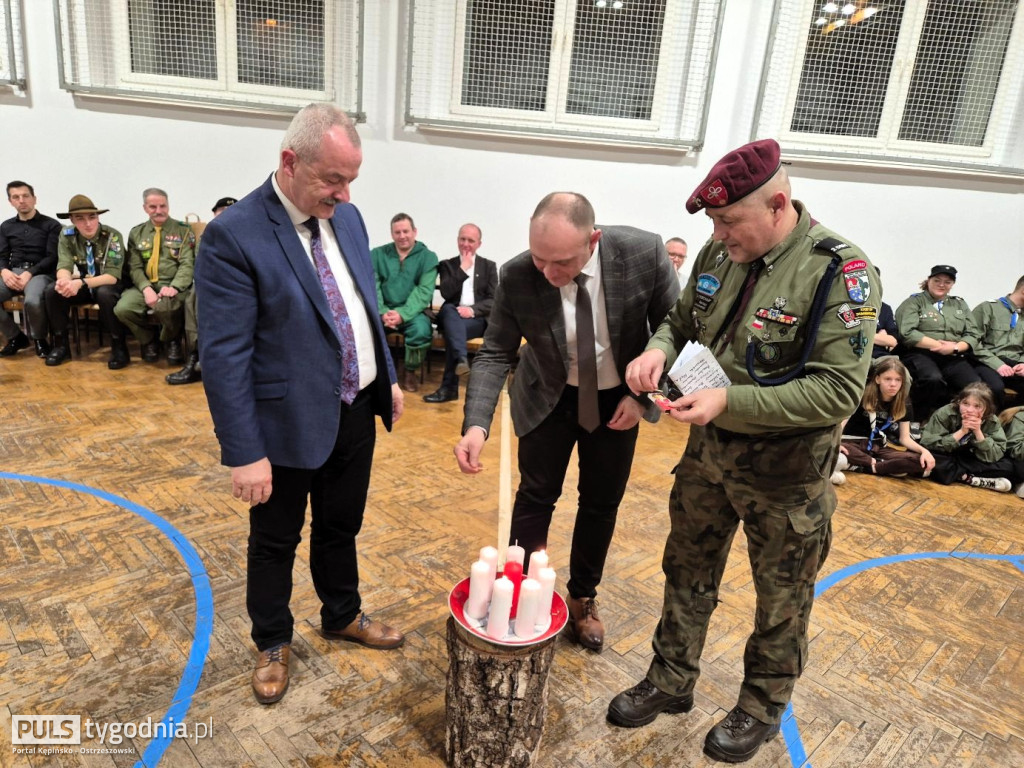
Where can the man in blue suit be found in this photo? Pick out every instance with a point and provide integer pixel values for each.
(295, 367)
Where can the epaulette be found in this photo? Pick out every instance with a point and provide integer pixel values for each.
(832, 245)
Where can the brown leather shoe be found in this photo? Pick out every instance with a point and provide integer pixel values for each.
(366, 631)
(584, 626)
(410, 381)
(270, 678)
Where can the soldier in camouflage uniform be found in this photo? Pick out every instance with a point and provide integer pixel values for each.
(762, 450)
(160, 271)
(97, 253)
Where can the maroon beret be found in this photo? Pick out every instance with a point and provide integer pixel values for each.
(736, 175)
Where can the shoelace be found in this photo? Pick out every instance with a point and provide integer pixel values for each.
(364, 621)
(737, 722)
(589, 606)
(276, 654)
(642, 690)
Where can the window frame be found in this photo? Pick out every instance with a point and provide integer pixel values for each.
(13, 59)
(886, 144)
(85, 68)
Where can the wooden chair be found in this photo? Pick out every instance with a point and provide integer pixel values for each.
(81, 316)
(16, 306)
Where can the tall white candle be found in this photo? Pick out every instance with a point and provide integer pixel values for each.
(515, 554)
(547, 593)
(490, 556)
(501, 608)
(538, 560)
(529, 606)
(481, 580)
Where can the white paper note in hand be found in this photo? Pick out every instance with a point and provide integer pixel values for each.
(696, 368)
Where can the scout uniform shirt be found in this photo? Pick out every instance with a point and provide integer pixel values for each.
(777, 321)
(177, 255)
(918, 316)
(1001, 333)
(938, 435)
(108, 252)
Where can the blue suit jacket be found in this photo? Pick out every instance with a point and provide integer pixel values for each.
(271, 357)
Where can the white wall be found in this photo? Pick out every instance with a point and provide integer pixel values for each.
(111, 150)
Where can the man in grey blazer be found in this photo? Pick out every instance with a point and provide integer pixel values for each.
(622, 279)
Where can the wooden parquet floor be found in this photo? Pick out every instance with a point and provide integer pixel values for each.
(913, 663)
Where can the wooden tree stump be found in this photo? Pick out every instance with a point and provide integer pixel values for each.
(495, 701)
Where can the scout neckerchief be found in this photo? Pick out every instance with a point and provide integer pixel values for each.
(877, 431)
(90, 261)
(1014, 313)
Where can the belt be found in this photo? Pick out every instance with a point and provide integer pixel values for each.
(23, 264)
(725, 434)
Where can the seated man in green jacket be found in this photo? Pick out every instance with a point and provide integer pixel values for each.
(406, 273)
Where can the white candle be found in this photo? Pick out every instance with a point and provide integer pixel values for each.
(481, 580)
(547, 593)
(529, 606)
(501, 607)
(515, 554)
(538, 560)
(490, 556)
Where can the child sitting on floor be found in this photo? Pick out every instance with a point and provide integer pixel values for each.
(968, 441)
(876, 438)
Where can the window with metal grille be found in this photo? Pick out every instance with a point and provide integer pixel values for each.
(630, 71)
(265, 54)
(12, 57)
(924, 82)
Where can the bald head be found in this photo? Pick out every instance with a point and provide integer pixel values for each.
(570, 206)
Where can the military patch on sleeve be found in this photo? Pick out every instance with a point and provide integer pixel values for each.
(69, 231)
(708, 284)
(848, 316)
(857, 286)
(866, 312)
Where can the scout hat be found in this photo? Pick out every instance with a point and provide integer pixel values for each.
(943, 269)
(80, 204)
(736, 175)
(224, 202)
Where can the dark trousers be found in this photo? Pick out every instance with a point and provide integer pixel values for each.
(337, 497)
(888, 461)
(456, 330)
(937, 378)
(106, 296)
(950, 467)
(998, 385)
(605, 459)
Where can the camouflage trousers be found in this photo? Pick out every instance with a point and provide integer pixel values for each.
(779, 488)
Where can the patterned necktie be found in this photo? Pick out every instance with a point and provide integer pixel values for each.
(589, 415)
(349, 357)
(153, 265)
(90, 262)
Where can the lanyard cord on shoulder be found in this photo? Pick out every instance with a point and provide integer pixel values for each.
(817, 313)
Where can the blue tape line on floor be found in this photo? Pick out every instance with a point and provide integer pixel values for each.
(204, 610)
(790, 729)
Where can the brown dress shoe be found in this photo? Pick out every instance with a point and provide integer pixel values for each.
(584, 626)
(270, 678)
(410, 381)
(366, 631)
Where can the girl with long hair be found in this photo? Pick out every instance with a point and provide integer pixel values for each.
(968, 441)
(876, 438)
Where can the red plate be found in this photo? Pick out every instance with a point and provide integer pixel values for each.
(459, 595)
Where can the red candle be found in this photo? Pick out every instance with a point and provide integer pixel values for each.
(514, 573)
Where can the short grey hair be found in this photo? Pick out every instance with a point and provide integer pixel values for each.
(154, 191)
(307, 129)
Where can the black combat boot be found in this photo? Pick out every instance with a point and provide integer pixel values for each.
(42, 348)
(190, 373)
(174, 355)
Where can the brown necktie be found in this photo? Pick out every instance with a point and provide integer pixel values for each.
(735, 316)
(589, 415)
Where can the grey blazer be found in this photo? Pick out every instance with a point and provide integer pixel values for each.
(640, 287)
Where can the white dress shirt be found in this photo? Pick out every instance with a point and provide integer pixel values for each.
(468, 299)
